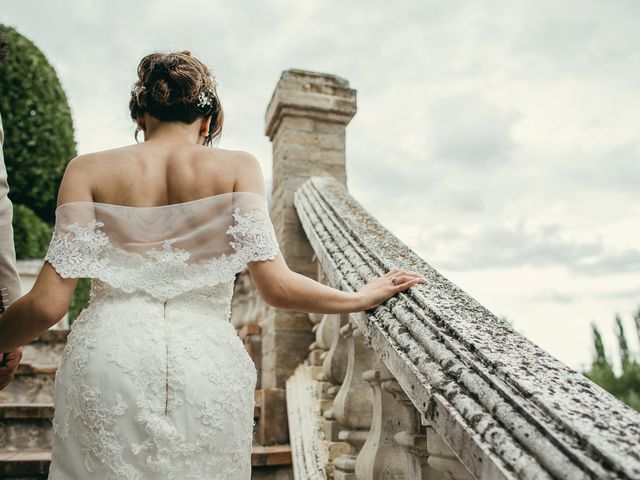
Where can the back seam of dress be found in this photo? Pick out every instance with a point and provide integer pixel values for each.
(166, 342)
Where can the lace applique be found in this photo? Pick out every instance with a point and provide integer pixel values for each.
(251, 236)
(169, 254)
(75, 251)
(164, 273)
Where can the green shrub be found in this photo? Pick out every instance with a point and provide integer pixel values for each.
(31, 234)
(80, 298)
(39, 137)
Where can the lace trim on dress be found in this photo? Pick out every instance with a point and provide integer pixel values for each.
(86, 251)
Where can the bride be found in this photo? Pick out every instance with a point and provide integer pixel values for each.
(154, 383)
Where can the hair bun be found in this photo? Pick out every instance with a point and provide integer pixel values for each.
(171, 87)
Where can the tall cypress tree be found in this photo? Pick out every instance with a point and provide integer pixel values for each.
(626, 386)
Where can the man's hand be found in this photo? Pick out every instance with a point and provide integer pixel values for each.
(9, 366)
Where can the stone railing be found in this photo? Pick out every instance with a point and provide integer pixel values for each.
(430, 384)
(494, 404)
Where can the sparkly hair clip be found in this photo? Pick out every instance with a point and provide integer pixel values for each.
(206, 100)
(137, 89)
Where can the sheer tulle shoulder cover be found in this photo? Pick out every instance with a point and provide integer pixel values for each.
(164, 250)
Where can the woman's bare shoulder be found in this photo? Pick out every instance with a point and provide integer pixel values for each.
(244, 167)
(240, 158)
(249, 176)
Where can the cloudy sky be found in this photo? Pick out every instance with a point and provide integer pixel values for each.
(499, 140)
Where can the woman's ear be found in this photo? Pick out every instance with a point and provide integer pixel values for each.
(204, 126)
(140, 122)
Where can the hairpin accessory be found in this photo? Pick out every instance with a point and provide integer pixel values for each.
(205, 98)
(137, 89)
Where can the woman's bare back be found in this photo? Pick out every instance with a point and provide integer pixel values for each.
(150, 175)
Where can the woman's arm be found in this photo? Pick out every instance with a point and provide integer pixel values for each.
(49, 298)
(283, 288)
(36, 311)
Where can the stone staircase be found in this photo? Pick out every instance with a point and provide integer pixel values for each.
(26, 411)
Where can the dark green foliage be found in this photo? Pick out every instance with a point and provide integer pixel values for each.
(39, 140)
(622, 342)
(80, 298)
(626, 386)
(31, 234)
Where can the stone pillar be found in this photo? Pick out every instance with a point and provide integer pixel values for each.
(305, 121)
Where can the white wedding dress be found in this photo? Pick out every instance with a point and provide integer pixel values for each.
(154, 382)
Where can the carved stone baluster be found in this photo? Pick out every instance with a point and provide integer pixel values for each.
(413, 439)
(334, 371)
(337, 357)
(318, 347)
(323, 327)
(436, 455)
(246, 305)
(353, 403)
(390, 449)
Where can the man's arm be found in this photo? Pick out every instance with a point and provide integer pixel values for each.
(9, 277)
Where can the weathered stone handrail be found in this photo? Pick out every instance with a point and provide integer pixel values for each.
(503, 405)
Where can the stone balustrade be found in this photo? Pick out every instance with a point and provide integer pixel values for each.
(452, 388)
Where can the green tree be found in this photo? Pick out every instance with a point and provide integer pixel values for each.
(31, 234)
(80, 298)
(39, 136)
(625, 386)
(38, 144)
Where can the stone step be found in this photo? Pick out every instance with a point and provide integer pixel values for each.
(24, 465)
(35, 464)
(46, 349)
(31, 383)
(267, 455)
(26, 426)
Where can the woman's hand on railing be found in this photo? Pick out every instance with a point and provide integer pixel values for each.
(379, 289)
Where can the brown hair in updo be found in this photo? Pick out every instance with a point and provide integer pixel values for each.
(171, 86)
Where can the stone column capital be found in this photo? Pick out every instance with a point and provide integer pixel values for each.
(314, 95)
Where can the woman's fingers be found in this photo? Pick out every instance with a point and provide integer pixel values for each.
(405, 277)
(399, 271)
(407, 281)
